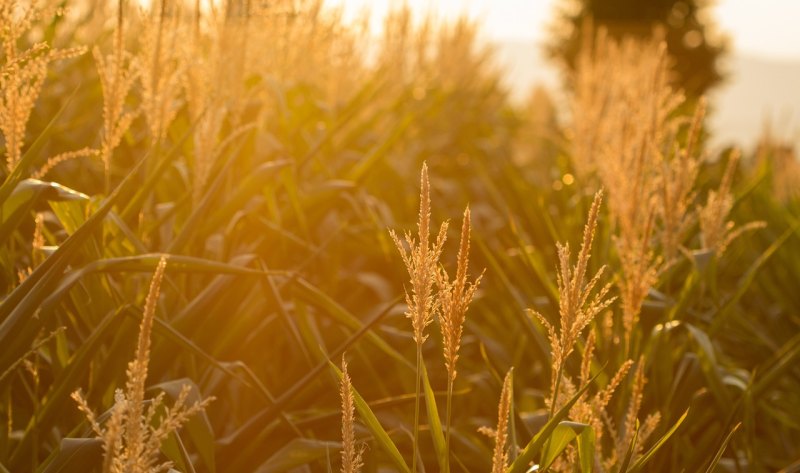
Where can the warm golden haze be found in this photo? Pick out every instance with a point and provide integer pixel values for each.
(257, 237)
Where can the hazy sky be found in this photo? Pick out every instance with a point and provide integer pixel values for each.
(763, 27)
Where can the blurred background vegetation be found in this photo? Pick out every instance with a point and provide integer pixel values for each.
(693, 41)
(268, 148)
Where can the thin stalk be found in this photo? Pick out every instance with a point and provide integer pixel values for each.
(416, 408)
(119, 49)
(447, 432)
(556, 387)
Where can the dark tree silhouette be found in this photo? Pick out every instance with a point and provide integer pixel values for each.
(689, 33)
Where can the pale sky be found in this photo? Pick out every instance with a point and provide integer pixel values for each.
(766, 28)
(765, 31)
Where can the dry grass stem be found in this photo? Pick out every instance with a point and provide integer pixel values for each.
(577, 307)
(351, 450)
(421, 260)
(454, 298)
(132, 436)
(117, 72)
(61, 158)
(160, 69)
(23, 72)
(500, 454)
(622, 443)
(640, 267)
(716, 231)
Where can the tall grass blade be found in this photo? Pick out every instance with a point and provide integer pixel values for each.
(647, 456)
(561, 437)
(533, 447)
(381, 437)
(434, 421)
(721, 451)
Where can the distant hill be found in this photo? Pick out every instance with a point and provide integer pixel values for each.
(757, 89)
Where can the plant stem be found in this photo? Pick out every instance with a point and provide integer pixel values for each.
(416, 408)
(447, 432)
(556, 387)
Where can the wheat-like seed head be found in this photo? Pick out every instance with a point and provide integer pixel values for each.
(586, 359)
(597, 405)
(716, 231)
(132, 436)
(454, 298)
(577, 306)
(117, 72)
(203, 61)
(62, 157)
(602, 398)
(421, 260)
(631, 416)
(627, 129)
(160, 71)
(23, 73)
(500, 454)
(351, 450)
(674, 197)
(589, 410)
(640, 268)
(137, 369)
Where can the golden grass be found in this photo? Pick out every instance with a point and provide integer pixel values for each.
(577, 305)
(23, 72)
(716, 231)
(117, 72)
(352, 451)
(133, 434)
(500, 454)
(219, 75)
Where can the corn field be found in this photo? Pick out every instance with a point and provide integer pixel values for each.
(256, 237)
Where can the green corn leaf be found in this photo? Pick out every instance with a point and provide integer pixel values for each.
(434, 420)
(718, 456)
(77, 456)
(537, 442)
(563, 434)
(298, 452)
(586, 449)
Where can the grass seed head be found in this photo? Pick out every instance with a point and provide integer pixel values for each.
(132, 436)
(578, 302)
(454, 298)
(421, 259)
(351, 451)
(500, 454)
(716, 231)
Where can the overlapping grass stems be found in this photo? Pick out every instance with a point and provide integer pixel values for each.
(265, 148)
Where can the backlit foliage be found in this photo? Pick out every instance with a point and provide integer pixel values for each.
(260, 160)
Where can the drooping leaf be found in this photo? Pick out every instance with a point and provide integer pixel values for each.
(77, 455)
(563, 434)
(533, 447)
(298, 452)
(371, 421)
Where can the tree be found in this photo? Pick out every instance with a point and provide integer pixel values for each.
(689, 34)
